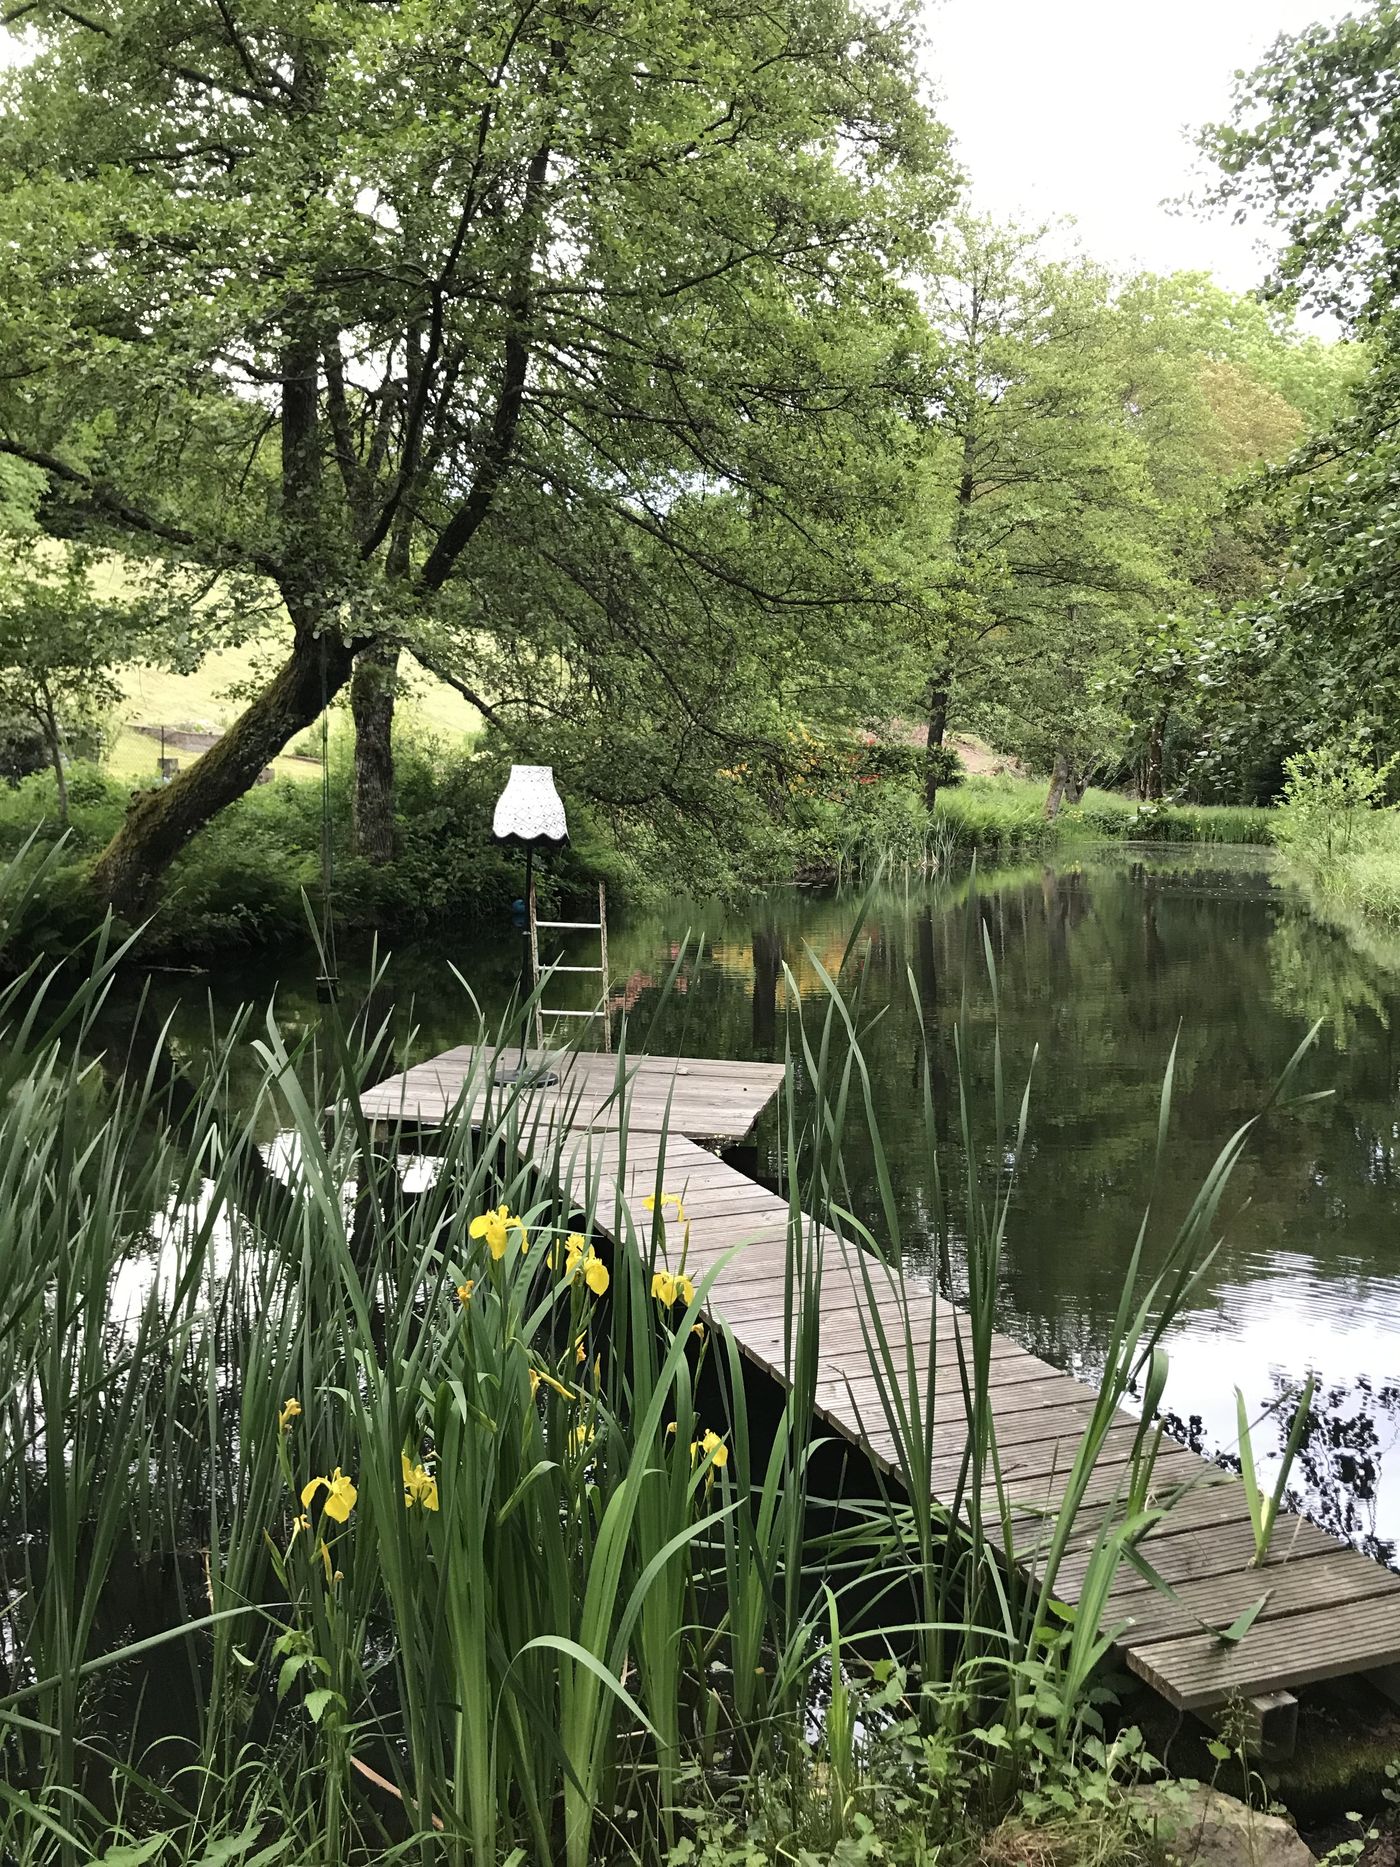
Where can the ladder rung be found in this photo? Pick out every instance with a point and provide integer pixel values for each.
(595, 926)
(548, 968)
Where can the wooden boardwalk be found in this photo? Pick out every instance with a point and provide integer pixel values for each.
(1330, 1611)
(696, 1096)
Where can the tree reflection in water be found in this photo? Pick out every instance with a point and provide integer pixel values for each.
(1336, 1476)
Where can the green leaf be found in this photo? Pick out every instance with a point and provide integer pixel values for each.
(136, 1852)
(318, 1701)
(1232, 1635)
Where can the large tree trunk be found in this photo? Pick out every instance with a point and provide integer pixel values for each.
(1152, 774)
(937, 701)
(372, 702)
(160, 823)
(1059, 784)
(1068, 783)
(53, 739)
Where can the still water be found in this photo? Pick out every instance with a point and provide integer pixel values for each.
(1102, 963)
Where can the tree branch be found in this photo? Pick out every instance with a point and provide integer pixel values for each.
(110, 506)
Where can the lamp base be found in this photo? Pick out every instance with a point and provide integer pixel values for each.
(536, 1075)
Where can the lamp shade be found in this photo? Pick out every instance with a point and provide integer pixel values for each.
(530, 810)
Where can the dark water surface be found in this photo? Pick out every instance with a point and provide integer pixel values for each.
(1101, 962)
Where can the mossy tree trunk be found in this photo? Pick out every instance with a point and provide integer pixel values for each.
(934, 764)
(372, 692)
(160, 823)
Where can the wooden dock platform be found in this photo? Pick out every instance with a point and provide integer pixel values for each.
(1330, 1611)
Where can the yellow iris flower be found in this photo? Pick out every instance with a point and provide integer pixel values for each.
(595, 1273)
(538, 1379)
(574, 1247)
(419, 1485)
(291, 1410)
(651, 1202)
(714, 1449)
(464, 1291)
(496, 1228)
(341, 1495)
(666, 1286)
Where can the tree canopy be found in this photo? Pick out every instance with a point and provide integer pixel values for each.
(1314, 143)
(549, 339)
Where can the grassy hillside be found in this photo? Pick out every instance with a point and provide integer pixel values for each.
(210, 698)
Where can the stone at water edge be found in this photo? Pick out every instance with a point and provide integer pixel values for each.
(1204, 1827)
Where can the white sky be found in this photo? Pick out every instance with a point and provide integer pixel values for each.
(1085, 108)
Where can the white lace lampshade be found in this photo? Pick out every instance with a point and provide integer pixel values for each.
(530, 810)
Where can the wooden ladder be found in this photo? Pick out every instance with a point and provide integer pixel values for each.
(539, 973)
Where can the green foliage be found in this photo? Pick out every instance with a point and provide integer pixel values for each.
(1314, 144)
(245, 884)
(1075, 501)
(1328, 809)
(1004, 815)
(588, 389)
(940, 766)
(22, 748)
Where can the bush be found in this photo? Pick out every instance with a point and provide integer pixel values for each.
(1330, 794)
(941, 763)
(95, 807)
(22, 748)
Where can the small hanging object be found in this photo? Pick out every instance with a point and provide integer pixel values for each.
(327, 988)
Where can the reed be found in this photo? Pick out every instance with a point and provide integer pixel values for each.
(357, 1503)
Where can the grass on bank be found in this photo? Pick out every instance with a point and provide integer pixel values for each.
(1360, 882)
(361, 1506)
(1005, 814)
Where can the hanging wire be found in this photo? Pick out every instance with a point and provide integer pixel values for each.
(328, 979)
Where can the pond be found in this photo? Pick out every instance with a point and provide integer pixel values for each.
(1103, 962)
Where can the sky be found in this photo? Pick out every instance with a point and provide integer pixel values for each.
(1085, 108)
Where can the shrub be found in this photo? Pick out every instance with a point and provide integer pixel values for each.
(22, 748)
(1330, 794)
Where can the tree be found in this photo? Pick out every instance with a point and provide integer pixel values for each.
(1036, 537)
(1221, 387)
(491, 331)
(62, 637)
(1097, 433)
(1314, 143)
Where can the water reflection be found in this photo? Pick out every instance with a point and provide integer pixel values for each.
(1102, 964)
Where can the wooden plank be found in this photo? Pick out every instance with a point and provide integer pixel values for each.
(1332, 1576)
(1323, 1642)
(1198, 1553)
